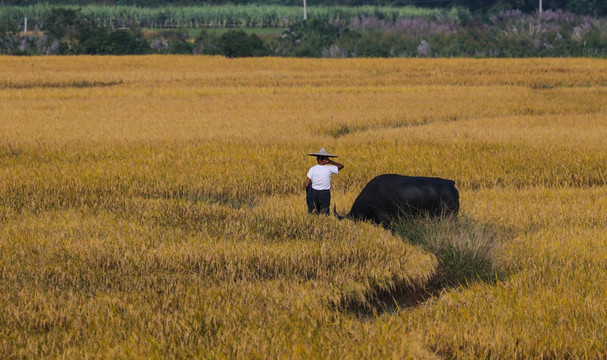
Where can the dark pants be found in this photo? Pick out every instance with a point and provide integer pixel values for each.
(318, 200)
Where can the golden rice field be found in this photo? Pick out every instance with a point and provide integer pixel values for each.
(152, 207)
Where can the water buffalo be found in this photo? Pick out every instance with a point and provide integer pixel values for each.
(388, 196)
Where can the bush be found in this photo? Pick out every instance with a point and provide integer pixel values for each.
(127, 42)
(64, 24)
(236, 43)
(505, 34)
(78, 34)
(367, 44)
(307, 38)
(99, 41)
(172, 42)
(32, 44)
(179, 44)
(93, 41)
(206, 44)
(8, 26)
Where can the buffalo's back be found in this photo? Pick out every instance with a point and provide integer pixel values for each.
(390, 195)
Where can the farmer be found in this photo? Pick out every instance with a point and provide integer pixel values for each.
(318, 182)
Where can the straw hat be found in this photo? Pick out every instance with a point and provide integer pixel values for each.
(322, 152)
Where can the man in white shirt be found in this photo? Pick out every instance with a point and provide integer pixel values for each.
(318, 182)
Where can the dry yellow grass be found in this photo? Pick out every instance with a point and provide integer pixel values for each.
(151, 207)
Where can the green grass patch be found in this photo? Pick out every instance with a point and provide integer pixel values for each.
(464, 248)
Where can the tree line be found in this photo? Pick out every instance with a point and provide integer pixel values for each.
(509, 33)
(586, 7)
(270, 16)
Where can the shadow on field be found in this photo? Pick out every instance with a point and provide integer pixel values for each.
(58, 84)
(339, 130)
(195, 197)
(464, 250)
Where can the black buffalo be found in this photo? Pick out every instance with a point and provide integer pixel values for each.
(389, 196)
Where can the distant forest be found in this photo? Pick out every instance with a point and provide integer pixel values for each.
(587, 7)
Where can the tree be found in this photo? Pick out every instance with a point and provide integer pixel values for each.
(308, 38)
(236, 43)
(62, 24)
(93, 40)
(127, 42)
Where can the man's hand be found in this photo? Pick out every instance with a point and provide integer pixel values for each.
(339, 166)
(307, 182)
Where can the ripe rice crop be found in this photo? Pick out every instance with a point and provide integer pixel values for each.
(152, 207)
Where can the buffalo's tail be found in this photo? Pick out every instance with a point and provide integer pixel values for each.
(339, 217)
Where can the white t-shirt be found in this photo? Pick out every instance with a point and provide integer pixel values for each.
(321, 176)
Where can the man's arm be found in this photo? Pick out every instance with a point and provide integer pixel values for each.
(339, 166)
(307, 183)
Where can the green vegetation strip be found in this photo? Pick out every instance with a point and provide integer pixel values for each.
(219, 16)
